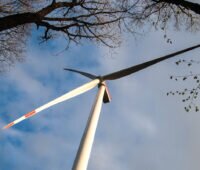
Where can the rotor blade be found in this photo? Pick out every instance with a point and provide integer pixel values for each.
(91, 76)
(62, 98)
(133, 69)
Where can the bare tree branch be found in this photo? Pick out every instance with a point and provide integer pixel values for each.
(99, 21)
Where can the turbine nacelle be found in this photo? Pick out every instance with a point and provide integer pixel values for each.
(107, 96)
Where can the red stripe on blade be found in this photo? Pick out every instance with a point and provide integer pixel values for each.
(9, 125)
(30, 114)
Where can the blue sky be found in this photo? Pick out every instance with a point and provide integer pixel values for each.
(141, 128)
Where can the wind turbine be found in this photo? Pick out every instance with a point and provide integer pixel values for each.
(85, 146)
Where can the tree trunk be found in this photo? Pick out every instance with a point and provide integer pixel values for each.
(195, 7)
(12, 21)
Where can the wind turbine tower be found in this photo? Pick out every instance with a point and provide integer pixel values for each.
(83, 154)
